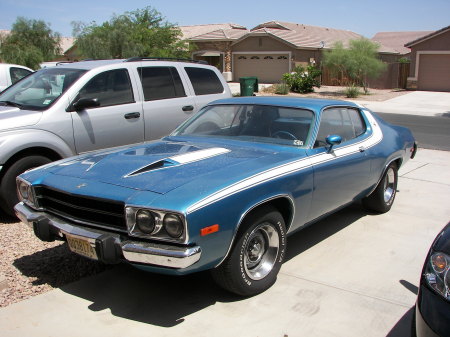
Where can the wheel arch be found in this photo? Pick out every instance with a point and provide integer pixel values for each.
(397, 160)
(282, 203)
(36, 150)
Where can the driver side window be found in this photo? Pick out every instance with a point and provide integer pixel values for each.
(109, 88)
(345, 122)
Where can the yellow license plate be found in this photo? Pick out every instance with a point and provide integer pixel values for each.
(81, 247)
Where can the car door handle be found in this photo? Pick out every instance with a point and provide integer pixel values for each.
(132, 115)
(188, 108)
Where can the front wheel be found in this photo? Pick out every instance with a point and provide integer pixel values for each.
(254, 261)
(382, 198)
(8, 194)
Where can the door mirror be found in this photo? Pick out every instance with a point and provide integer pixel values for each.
(86, 103)
(333, 140)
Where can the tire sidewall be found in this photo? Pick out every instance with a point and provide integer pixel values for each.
(247, 285)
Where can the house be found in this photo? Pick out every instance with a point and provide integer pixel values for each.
(430, 61)
(270, 49)
(397, 40)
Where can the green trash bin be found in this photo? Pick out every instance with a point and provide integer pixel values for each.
(249, 85)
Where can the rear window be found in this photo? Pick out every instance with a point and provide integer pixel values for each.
(161, 83)
(17, 74)
(204, 81)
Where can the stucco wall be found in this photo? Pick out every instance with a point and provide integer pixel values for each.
(256, 43)
(440, 42)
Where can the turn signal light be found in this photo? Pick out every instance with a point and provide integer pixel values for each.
(209, 230)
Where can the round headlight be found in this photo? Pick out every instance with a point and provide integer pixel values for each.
(24, 192)
(145, 220)
(173, 225)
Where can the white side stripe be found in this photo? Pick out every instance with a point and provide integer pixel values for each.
(298, 165)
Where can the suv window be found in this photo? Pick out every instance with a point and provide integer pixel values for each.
(111, 87)
(345, 122)
(17, 74)
(204, 81)
(161, 83)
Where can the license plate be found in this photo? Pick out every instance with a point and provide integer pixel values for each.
(81, 247)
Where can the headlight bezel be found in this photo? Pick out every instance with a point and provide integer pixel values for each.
(438, 281)
(159, 233)
(24, 185)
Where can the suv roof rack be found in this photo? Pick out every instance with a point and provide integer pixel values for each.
(135, 59)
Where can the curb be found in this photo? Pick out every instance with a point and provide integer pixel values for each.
(3, 282)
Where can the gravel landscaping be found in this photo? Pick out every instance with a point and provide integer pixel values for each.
(337, 92)
(31, 267)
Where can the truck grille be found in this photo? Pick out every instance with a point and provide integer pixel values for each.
(88, 210)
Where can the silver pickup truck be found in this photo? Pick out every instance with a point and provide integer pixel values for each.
(79, 107)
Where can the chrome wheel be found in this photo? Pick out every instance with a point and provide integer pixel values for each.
(260, 251)
(389, 185)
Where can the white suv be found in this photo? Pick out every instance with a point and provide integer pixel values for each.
(11, 73)
(78, 107)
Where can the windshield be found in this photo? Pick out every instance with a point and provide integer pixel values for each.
(41, 89)
(256, 123)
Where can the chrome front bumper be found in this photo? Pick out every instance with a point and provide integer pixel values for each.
(110, 247)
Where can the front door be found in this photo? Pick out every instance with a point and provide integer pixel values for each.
(342, 174)
(118, 120)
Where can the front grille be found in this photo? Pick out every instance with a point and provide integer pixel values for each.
(88, 210)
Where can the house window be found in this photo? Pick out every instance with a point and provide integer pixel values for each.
(242, 58)
(255, 57)
(282, 57)
(268, 58)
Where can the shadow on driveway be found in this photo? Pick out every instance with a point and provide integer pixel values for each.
(164, 300)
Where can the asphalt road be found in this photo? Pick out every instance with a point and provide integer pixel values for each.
(430, 132)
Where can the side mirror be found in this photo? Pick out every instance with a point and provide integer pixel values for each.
(333, 140)
(85, 103)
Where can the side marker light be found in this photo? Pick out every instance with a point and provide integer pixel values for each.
(209, 230)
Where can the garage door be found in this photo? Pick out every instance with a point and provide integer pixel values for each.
(434, 72)
(267, 67)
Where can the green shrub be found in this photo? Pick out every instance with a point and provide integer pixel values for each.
(303, 80)
(352, 91)
(281, 88)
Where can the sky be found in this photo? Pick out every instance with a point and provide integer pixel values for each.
(365, 17)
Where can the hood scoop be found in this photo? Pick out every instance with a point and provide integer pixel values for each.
(177, 160)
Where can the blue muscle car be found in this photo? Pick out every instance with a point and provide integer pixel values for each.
(223, 191)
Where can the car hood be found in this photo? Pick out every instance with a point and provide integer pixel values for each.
(165, 165)
(12, 117)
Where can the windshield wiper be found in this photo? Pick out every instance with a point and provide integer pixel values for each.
(11, 103)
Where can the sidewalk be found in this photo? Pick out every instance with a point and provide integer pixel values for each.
(351, 274)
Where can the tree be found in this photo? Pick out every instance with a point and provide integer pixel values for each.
(359, 62)
(143, 32)
(30, 43)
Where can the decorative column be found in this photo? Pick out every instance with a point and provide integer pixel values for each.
(227, 74)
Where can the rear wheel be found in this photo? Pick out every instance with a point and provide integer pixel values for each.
(382, 198)
(254, 261)
(8, 193)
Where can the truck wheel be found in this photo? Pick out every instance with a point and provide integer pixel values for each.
(382, 198)
(253, 263)
(8, 193)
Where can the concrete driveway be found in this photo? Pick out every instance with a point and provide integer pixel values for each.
(352, 274)
(422, 103)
